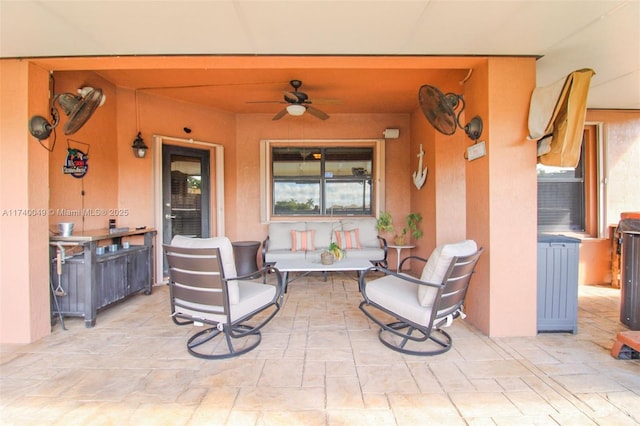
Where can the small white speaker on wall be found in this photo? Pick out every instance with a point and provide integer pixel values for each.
(391, 133)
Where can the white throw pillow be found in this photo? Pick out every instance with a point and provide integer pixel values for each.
(226, 255)
(437, 266)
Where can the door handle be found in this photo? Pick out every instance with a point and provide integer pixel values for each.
(169, 216)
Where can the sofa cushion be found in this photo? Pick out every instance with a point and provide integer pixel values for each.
(280, 234)
(302, 240)
(438, 265)
(226, 256)
(366, 253)
(348, 240)
(324, 232)
(366, 229)
(274, 256)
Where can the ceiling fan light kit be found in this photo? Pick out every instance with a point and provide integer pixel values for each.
(78, 108)
(296, 109)
(297, 103)
(440, 110)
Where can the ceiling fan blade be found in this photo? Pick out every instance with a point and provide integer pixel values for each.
(265, 102)
(280, 114)
(295, 97)
(317, 113)
(291, 97)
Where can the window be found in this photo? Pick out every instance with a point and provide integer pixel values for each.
(569, 199)
(322, 181)
(321, 178)
(561, 198)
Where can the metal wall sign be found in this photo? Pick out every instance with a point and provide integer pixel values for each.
(76, 163)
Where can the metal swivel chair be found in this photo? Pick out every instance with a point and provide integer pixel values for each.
(421, 307)
(205, 291)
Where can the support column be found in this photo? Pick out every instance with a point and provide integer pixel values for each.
(501, 199)
(24, 222)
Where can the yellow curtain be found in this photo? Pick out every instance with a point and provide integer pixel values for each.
(560, 140)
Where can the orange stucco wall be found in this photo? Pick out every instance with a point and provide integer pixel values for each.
(24, 274)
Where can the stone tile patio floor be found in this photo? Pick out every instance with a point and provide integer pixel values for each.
(319, 363)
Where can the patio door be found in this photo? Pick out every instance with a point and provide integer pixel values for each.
(186, 196)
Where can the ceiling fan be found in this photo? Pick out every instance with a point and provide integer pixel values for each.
(297, 103)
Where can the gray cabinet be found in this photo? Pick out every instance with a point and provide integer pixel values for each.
(557, 308)
(92, 282)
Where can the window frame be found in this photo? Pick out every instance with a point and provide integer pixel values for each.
(266, 177)
(594, 183)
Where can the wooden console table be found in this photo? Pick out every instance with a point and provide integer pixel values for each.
(94, 281)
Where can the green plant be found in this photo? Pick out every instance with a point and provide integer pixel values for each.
(412, 225)
(337, 252)
(384, 223)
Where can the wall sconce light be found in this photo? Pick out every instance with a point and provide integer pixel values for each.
(139, 147)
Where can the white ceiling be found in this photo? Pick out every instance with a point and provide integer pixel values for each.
(567, 35)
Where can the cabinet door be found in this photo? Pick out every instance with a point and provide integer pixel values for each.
(111, 280)
(138, 269)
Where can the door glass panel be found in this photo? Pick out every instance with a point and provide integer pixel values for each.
(186, 196)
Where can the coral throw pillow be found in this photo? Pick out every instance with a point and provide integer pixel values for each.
(348, 239)
(302, 240)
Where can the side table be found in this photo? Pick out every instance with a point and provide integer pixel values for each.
(398, 251)
(246, 255)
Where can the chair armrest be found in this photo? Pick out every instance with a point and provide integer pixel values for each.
(265, 247)
(263, 272)
(383, 243)
(418, 258)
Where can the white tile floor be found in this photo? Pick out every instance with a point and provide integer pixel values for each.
(319, 363)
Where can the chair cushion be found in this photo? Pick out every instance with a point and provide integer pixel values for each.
(437, 266)
(226, 254)
(348, 240)
(398, 296)
(302, 240)
(253, 296)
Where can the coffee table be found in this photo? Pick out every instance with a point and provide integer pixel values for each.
(286, 266)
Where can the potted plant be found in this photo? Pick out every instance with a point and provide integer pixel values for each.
(384, 223)
(412, 223)
(333, 252)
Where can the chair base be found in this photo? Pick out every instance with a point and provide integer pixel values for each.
(243, 336)
(407, 339)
